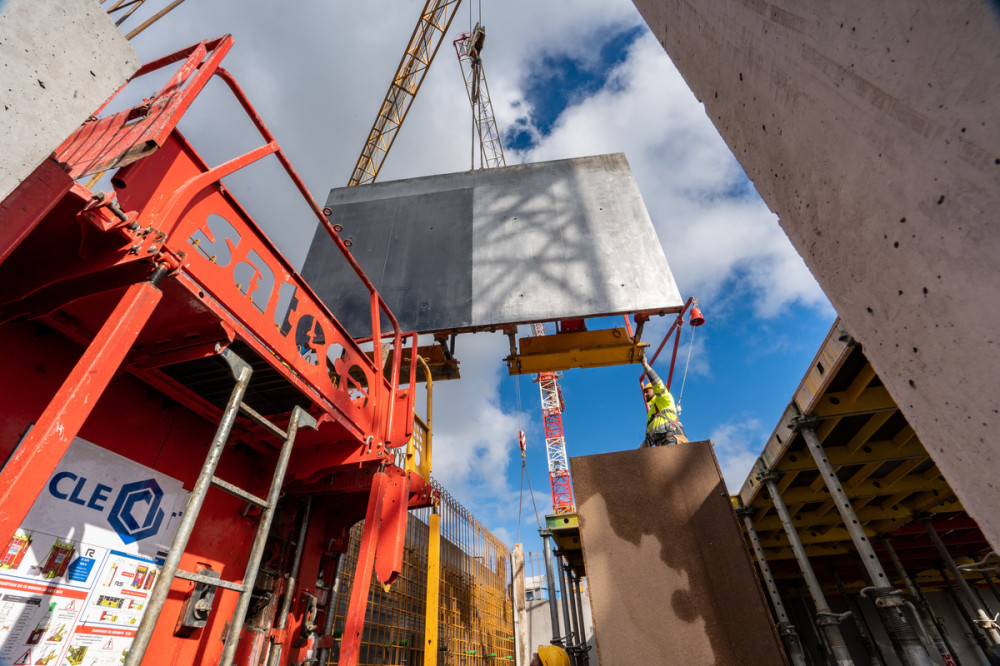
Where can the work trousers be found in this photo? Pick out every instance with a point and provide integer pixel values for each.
(670, 433)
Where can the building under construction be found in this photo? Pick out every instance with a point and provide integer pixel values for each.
(214, 457)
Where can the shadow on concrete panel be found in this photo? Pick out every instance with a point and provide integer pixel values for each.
(671, 579)
(482, 249)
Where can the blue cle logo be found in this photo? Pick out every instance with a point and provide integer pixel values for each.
(131, 522)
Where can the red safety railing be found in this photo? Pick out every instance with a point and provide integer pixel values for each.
(166, 186)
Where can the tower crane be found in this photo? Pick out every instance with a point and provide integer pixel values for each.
(434, 21)
(469, 47)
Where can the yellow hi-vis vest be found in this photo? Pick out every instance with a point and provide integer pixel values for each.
(661, 408)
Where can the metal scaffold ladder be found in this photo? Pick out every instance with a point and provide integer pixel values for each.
(299, 419)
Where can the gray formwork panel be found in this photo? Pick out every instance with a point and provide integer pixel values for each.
(481, 249)
(61, 61)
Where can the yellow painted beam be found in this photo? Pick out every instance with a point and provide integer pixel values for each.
(904, 436)
(433, 585)
(839, 403)
(903, 469)
(816, 519)
(581, 349)
(871, 487)
(875, 421)
(862, 474)
(786, 480)
(879, 451)
(860, 383)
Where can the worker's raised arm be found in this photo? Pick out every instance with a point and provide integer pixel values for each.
(653, 377)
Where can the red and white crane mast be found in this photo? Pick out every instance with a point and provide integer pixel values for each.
(555, 443)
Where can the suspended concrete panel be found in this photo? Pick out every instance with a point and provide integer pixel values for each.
(476, 250)
(671, 580)
(61, 61)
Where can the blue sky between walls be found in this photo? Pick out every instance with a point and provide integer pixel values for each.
(745, 362)
(567, 80)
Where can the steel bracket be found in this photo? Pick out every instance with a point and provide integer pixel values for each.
(829, 619)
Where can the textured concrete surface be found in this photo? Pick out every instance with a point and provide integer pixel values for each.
(671, 580)
(538, 627)
(477, 249)
(872, 130)
(59, 61)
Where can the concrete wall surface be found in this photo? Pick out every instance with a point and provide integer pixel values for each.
(872, 129)
(671, 581)
(59, 61)
(538, 627)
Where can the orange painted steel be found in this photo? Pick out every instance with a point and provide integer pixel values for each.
(25, 474)
(65, 259)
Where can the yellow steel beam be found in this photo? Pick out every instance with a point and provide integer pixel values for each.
(811, 520)
(786, 480)
(433, 585)
(428, 34)
(860, 383)
(580, 349)
(826, 427)
(839, 403)
(825, 508)
(879, 451)
(827, 539)
(904, 437)
(862, 474)
(870, 487)
(865, 432)
(903, 469)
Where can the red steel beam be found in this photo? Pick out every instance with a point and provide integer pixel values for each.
(24, 477)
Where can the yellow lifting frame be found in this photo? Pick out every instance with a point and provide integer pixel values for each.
(580, 349)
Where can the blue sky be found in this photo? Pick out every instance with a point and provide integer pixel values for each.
(567, 80)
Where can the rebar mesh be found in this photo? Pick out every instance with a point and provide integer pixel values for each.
(475, 617)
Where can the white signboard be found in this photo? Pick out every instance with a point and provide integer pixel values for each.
(75, 578)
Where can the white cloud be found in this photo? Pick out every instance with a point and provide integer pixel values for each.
(686, 174)
(737, 446)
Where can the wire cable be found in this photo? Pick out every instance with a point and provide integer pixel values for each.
(686, 366)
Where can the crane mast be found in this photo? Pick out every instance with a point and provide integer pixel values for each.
(468, 47)
(555, 443)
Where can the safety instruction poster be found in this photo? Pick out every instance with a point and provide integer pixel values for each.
(76, 577)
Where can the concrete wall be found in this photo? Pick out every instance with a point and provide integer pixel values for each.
(59, 61)
(872, 130)
(538, 628)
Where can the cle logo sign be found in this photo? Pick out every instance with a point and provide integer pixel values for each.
(135, 513)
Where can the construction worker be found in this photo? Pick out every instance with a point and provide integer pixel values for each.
(662, 425)
(550, 655)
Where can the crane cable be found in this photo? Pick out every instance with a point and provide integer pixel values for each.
(524, 464)
(686, 366)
